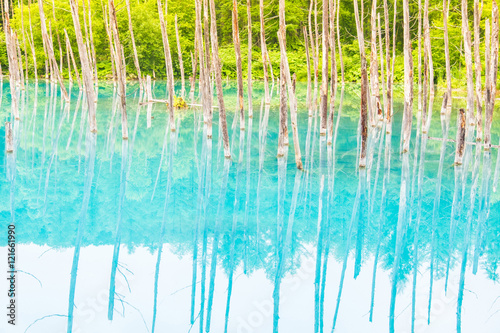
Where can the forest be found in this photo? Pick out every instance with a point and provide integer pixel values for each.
(148, 39)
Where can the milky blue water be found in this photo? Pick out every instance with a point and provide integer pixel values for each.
(161, 233)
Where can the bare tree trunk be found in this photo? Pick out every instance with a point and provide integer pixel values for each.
(430, 68)
(249, 66)
(120, 68)
(376, 109)
(333, 83)
(314, 46)
(181, 62)
(110, 41)
(9, 140)
(168, 64)
(461, 129)
(408, 79)
(132, 38)
(324, 71)
(218, 80)
(493, 76)
(421, 94)
(339, 44)
(85, 65)
(283, 127)
(73, 59)
(285, 72)
(239, 70)
(468, 63)
(487, 85)
(50, 51)
(32, 43)
(477, 66)
(92, 48)
(382, 71)
(447, 53)
(363, 119)
(265, 57)
(308, 59)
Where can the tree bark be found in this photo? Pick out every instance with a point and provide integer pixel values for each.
(333, 83)
(120, 68)
(73, 59)
(239, 70)
(132, 38)
(363, 119)
(493, 75)
(218, 80)
(477, 66)
(461, 129)
(324, 71)
(308, 60)
(50, 51)
(429, 69)
(447, 53)
(265, 57)
(9, 141)
(408, 79)
(181, 62)
(487, 85)
(376, 109)
(249, 66)
(340, 45)
(85, 65)
(468, 63)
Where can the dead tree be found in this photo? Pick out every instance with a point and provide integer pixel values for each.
(85, 65)
(239, 70)
(408, 79)
(341, 58)
(285, 72)
(50, 51)
(493, 76)
(249, 66)
(324, 72)
(168, 63)
(120, 67)
(363, 118)
(14, 76)
(308, 60)
(447, 53)
(428, 67)
(265, 57)
(333, 83)
(376, 108)
(218, 79)
(477, 67)
(70, 49)
(461, 129)
(468, 63)
(132, 38)
(179, 55)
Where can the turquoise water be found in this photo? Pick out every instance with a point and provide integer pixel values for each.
(161, 233)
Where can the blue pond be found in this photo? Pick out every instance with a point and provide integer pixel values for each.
(161, 233)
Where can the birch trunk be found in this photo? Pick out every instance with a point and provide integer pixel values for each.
(265, 58)
(249, 66)
(85, 65)
(239, 70)
(363, 121)
(324, 71)
(132, 38)
(218, 79)
(50, 51)
(408, 79)
(120, 68)
(468, 63)
(181, 62)
(477, 66)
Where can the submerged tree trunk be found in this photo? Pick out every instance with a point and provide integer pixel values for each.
(324, 71)
(263, 48)
(239, 70)
(308, 60)
(333, 83)
(429, 68)
(376, 109)
(447, 53)
(120, 68)
(340, 45)
(70, 49)
(461, 129)
(249, 66)
(181, 62)
(363, 119)
(408, 79)
(218, 80)
(477, 66)
(490, 95)
(468, 63)
(85, 65)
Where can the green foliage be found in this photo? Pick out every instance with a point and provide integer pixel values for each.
(149, 42)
